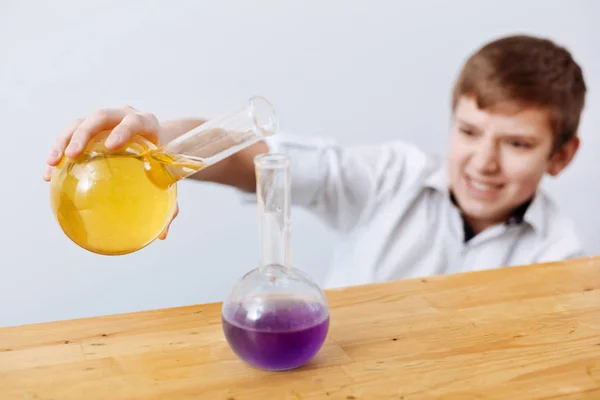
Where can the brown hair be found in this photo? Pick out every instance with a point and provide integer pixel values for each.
(528, 71)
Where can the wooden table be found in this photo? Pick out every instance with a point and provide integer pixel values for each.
(529, 332)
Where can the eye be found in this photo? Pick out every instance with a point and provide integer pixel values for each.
(467, 131)
(519, 144)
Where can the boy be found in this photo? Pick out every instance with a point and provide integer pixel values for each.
(516, 109)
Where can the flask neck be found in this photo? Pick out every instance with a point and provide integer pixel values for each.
(221, 137)
(165, 168)
(273, 197)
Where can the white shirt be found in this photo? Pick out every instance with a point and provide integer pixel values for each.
(391, 203)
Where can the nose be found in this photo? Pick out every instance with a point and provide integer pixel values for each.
(485, 157)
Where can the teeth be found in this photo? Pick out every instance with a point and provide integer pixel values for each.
(482, 186)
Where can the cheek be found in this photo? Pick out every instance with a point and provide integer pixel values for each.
(458, 154)
(524, 171)
(454, 166)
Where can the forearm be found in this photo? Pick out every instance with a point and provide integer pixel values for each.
(175, 128)
(236, 170)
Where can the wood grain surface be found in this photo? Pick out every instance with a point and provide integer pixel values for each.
(530, 332)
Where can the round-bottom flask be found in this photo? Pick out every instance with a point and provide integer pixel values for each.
(106, 202)
(276, 317)
(115, 202)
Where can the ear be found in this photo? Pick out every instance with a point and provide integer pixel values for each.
(563, 157)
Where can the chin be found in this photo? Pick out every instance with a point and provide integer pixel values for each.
(491, 200)
(485, 207)
(485, 216)
(490, 211)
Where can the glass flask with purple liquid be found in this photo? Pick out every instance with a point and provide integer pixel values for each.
(276, 318)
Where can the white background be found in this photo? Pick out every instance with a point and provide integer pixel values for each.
(359, 71)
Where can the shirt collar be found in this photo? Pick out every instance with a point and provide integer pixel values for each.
(530, 212)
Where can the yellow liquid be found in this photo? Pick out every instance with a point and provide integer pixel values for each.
(114, 204)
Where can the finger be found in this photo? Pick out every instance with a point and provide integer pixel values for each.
(128, 108)
(132, 124)
(152, 134)
(61, 143)
(48, 174)
(97, 122)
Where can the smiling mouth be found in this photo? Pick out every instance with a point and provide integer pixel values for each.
(483, 189)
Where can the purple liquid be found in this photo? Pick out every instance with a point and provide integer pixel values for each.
(285, 335)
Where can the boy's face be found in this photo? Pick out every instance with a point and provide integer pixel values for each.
(497, 159)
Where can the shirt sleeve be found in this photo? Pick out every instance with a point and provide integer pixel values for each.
(343, 185)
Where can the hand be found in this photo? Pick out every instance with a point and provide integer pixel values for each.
(125, 122)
